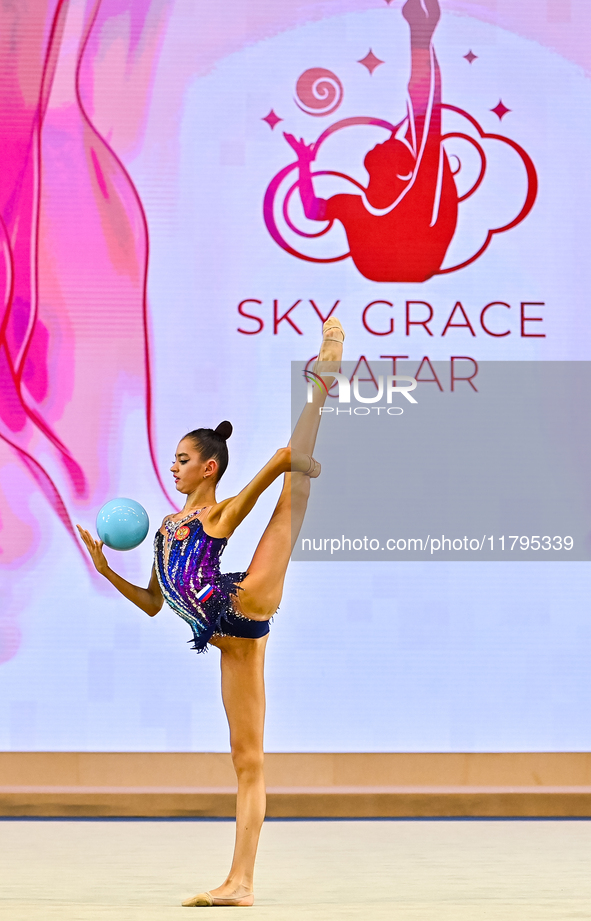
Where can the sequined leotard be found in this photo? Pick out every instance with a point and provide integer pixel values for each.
(187, 563)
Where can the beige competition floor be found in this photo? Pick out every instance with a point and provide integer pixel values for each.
(419, 870)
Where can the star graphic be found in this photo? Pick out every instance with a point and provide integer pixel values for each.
(370, 61)
(501, 109)
(272, 119)
(470, 57)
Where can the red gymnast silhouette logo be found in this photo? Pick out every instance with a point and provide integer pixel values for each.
(400, 226)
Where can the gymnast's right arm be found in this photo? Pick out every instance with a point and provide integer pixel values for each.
(148, 599)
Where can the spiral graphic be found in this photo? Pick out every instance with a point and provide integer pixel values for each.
(319, 92)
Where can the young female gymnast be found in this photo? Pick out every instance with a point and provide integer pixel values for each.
(232, 610)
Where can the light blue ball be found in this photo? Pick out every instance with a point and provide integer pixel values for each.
(122, 524)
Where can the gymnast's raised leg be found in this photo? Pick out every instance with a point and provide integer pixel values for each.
(262, 589)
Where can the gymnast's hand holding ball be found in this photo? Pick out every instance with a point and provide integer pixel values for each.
(122, 524)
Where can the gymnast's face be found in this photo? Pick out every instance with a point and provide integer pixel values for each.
(189, 469)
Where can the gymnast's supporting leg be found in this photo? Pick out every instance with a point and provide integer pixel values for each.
(243, 694)
(261, 591)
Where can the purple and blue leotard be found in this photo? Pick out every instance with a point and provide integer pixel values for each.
(187, 563)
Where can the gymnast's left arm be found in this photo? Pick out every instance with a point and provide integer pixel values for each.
(225, 517)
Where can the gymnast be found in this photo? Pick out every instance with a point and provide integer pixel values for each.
(400, 228)
(232, 610)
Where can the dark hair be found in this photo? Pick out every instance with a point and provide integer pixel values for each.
(211, 444)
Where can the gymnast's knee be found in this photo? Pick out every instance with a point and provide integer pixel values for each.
(248, 761)
(258, 604)
(263, 609)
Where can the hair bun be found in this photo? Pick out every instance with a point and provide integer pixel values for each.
(224, 430)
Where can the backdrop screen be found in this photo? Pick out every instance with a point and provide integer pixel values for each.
(187, 191)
